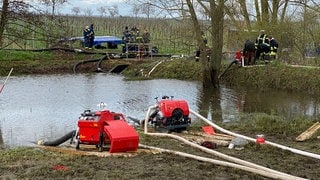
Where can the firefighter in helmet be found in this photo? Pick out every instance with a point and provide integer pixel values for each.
(273, 47)
(262, 46)
(86, 37)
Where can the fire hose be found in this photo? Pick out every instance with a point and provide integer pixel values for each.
(241, 164)
(267, 173)
(6, 80)
(58, 141)
(297, 151)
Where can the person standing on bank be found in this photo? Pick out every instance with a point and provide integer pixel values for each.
(262, 46)
(273, 47)
(91, 36)
(249, 52)
(86, 39)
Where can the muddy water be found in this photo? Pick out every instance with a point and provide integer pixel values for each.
(46, 107)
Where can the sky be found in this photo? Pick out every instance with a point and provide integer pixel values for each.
(66, 8)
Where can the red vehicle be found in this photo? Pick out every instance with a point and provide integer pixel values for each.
(104, 127)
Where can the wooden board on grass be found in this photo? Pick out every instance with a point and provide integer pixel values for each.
(309, 132)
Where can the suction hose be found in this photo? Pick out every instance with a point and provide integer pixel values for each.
(74, 68)
(233, 62)
(58, 141)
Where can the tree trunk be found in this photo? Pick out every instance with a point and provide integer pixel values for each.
(283, 14)
(217, 13)
(275, 9)
(210, 104)
(243, 6)
(3, 19)
(207, 79)
(265, 17)
(258, 18)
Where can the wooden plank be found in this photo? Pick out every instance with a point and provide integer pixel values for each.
(309, 132)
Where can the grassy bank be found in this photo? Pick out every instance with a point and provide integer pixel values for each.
(304, 79)
(275, 75)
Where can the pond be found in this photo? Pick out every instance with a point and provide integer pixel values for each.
(48, 106)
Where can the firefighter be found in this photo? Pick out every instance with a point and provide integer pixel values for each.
(146, 39)
(146, 36)
(249, 52)
(126, 34)
(139, 38)
(262, 46)
(86, 40)
(273, 47)
(91, 36)
(126, 38)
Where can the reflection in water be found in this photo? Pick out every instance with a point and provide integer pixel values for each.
(226, 104)
(287, 104)
(209, 104)
(221, 104)
(46, 107)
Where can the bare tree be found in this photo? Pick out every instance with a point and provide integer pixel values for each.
(136, 9)
(22, 25)
(53, 4)
(4, 19)
(88, 12)
(102, 10)
(147, 9)
(16, 23)
(76, 10)
(113, 10)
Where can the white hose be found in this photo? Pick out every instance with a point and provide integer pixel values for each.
(225, 163)
(154, 68)
(272, 172)
(259, 168)
(297, 151)
(146, 119)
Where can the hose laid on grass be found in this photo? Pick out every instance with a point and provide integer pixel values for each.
(74, 68)
(216, 153)
(225, 163)
(154, 67)
(257, 168)
(297, 151)
(106, 57)
(58, 141)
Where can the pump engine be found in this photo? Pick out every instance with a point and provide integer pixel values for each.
(170, 115)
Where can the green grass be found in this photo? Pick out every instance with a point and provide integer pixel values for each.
(8, 55)
(271, 125)
(275, 76)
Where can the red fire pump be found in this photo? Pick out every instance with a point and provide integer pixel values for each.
(170, 115)
(104, 127)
